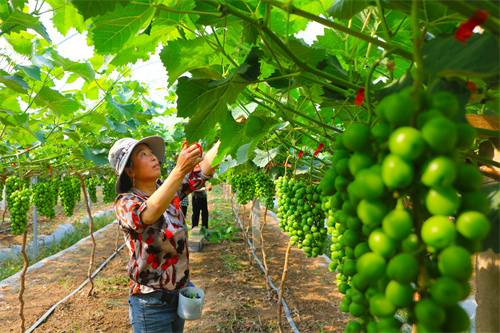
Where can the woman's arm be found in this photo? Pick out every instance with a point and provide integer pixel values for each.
(159, 201)
(206, 164)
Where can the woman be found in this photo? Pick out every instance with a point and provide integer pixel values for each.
(155, 231)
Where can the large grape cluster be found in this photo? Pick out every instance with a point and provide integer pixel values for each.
(1, 190)
(43, 199)
(301, 214)
(91, 186)
(19, 206)
(68, 195)
(264, 188)
(405, 215)
(55, 184)
(109, 194)
(245, 186)
(12, 184)
(77, 184)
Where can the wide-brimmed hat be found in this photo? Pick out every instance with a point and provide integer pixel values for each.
(120, 153)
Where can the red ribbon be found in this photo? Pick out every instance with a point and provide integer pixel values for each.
(14, 163)
(472, 87)
(465, 30)
(27, 148)
(300, 153)
(185, 144)
(360, 97)
(50, 169)
(318, 149)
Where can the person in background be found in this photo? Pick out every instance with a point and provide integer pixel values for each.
(184, 205)
(154, 227)
(200, 204)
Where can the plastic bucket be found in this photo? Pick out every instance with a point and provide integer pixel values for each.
(190, 304)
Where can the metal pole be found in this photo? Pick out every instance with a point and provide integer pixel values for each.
(35, 236)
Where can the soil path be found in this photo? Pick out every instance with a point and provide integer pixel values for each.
(236, 299)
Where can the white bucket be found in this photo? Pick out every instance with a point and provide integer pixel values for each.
(190, 308)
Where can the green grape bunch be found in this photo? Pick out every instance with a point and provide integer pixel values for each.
(91, 185)
(109, 194)
(42, 199)
(12, 184)
(405, 214)
(68, 195)
(1, 190)
(245, 186)
(55, 184)
(77, 185)
(20, 205)
(301, 215)
(264, 189)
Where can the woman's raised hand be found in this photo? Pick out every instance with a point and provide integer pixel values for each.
(189, 158)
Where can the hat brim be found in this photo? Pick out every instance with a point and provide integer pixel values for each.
(155, 143)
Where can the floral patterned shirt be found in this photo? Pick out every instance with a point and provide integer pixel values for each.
(159, 256)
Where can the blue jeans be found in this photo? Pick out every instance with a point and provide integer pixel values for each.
(150, 315)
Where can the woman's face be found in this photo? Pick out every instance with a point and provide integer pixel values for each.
(145, 164)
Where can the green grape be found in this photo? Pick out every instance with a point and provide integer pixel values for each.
(109, 190)
(20, 204)
(12, 184)
(42, 199)
(77, 185)
(91, 186)
(68, 195)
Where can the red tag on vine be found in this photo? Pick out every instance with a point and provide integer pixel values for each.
(14, 163)
(71, 168)
(472, 87)
(300, 153)
(466, 29)
(27, 148)
(360, 97)
(318, 149)
(50, 169)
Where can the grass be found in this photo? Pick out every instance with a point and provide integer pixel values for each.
(14, 264)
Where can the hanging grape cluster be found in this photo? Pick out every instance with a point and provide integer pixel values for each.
(245, 188)
(68, 195)
(19, 207)
(301, 214)
(1, 190)
(405, 215)
(91, 186)
(78, 190)
(55, 184)
(264, 188)
(43, 199)
(109, 194)
(12, 184)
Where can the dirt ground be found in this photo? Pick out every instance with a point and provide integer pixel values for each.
(236, 299)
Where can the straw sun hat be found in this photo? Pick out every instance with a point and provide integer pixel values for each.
(120, 153)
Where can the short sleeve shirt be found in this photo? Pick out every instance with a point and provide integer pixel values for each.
(159, 256)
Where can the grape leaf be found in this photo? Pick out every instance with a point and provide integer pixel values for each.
(94, 8)
(113, 29)
(55, 101)
(66, 16)
(346, 9)
(17, 21)
(449, 57)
